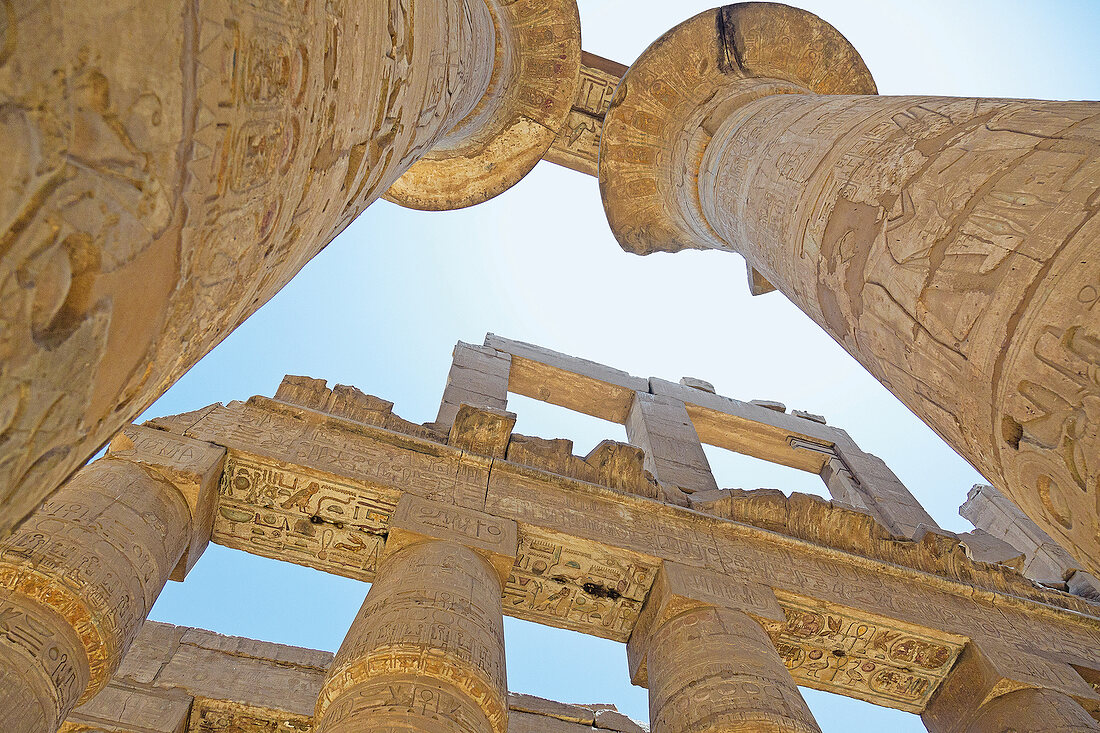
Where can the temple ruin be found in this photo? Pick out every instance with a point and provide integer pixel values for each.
(161, 187)
(461, 521)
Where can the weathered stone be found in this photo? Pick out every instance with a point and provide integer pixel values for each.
(976, 698)
(133, 710)
(77, 580)
(404, 648)
(478, 377)
(661, 427)
(177, 180)
(482, 430)
(992, 511)
(700, 384)
(941, 241)
(192, 466)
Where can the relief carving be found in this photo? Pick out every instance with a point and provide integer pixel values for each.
(836, 651)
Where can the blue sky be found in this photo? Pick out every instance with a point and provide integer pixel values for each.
(383, 305)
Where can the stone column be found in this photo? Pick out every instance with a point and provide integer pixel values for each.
(709, 666)
(976, 699)
(78, 578)
(160, 187)
(950, 245)
(425, 654)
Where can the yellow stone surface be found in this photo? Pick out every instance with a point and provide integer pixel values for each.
(949, 244)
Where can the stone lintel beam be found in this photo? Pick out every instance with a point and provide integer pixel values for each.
(77, 580)
(948, 244)
(290, 121)
(577, 145)
(673, 454)
(988, 692)
(569, 381)
(478, 377)
(192, 466)
(709, 665)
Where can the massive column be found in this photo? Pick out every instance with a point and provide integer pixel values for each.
(169, 166)
(950, 245)
(425, 654)
(78, 578)
(709, 666)
(975, 698)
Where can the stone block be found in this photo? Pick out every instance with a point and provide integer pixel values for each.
(699, 384)
(567, 381)
(616, 721)
(482, 430)
(133, 710)
(416, 519)
(662, 428)
(521, 703)
(154, 646)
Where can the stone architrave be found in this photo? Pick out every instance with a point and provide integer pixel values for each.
(425, 654)
(709, 665)
(77, 580)
(163, 185)
(949, 244)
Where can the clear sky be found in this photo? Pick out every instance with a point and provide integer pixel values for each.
(382, 307)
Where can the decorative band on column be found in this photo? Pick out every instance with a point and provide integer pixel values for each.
(536, 70)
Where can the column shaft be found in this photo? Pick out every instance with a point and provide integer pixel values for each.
(714, 670)
(950, 246)
(166, 184)
(425, 654)
(77, 580)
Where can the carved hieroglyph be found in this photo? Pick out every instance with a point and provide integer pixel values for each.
(828, 649)
(948, 244)
(161, 186)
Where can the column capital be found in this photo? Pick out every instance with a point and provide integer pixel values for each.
(678, 588)
(417, 519)
(536, 71)
(194, 467)
(705, 67)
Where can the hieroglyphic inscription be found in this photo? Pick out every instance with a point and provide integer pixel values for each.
(211, 160)
(432, 471)
(306, 518)
(582, 586)
(577, 146)
(951, 243)
(830, 649)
